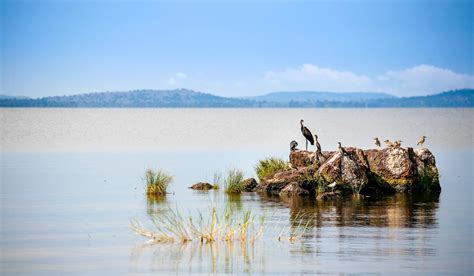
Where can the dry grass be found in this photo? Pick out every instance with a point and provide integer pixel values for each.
(228, 226)
(296, 232)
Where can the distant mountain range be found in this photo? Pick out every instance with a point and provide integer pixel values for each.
(6, 97)
(311, 96)
(189, 98)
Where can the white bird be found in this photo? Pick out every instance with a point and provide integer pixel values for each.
(332, 186)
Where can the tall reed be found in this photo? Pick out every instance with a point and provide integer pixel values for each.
(228, 226)
(234, 182)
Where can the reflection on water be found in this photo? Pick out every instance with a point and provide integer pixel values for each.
(396, 211)
(222, 257)
(154, 203)
(364, 228)
(70, 211)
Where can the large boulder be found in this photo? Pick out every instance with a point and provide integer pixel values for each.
(349, 171)
(294, 188)
(392, 167)
(302, 158)
(387, 170)
(202, 186)
(428, 175)
(303, 177)
(250, 184)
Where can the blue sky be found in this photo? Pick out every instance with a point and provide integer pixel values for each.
(236, 47)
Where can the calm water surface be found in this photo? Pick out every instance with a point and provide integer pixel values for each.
(71, 181)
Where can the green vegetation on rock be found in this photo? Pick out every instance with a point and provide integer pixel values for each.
(270, 166)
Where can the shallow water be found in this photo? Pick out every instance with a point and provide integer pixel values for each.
(69, 189)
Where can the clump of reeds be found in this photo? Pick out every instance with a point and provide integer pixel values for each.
(270, 166)
(356, 188)
(216, 180)
(234, 182)
(157, 181)
(171, 226)
(295, 232)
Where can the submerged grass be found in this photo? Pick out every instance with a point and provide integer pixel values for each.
(297, 231)
(270, 166)
(157, 182)
(228, 226)
(217, 180)
(234, 182)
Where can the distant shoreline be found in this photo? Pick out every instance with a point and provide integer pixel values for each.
(183, 98)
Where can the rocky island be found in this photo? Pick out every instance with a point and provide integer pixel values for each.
(355, 171)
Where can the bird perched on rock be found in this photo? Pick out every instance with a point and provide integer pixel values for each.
(422, 140)
(388, 143)
(332, 186)
(377, 142)
(307, 134)
(398, 143)
(341, 149)
(293, 145)
(318, 146)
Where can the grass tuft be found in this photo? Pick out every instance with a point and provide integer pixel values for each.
(217, 180)
(227, 226)
(233, 183)
(157, 182)
(270, 166)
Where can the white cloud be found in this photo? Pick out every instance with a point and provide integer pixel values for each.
(174, 80)
(181, 75)
(418, 80)
(312, 77)
(422, 79)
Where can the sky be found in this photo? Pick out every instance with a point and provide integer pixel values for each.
(236, 48)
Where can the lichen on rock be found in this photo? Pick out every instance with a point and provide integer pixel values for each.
(356, 171)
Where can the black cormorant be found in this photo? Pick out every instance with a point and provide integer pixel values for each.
(377, 142)
(318, 146)
(293, 145)
(307, 134)
(341, 149)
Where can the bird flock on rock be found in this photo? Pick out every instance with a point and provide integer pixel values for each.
(309, 138)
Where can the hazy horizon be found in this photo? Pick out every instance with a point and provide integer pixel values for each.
(234, 96)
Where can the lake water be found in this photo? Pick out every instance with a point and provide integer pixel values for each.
(72, 179)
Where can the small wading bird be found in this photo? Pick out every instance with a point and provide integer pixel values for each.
(307, 134)
(377, 142)
(398, 143)
(293, 145)
(422, 140)
(318, 146)
(332, 186)
(341, 149)
(388, 143)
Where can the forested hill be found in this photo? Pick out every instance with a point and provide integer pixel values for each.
(189, 98)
